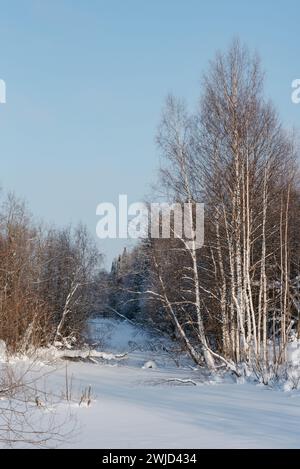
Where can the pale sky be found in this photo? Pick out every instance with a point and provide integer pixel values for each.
(86, 81)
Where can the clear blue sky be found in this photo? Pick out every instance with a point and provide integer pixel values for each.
(86, 80)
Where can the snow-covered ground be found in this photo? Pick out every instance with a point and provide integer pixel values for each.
(138, 406)
(129, 411)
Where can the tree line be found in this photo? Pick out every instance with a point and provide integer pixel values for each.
(237, 299)
(48, 280)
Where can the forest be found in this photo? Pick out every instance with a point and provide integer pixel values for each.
(235, 300)
(234, 303)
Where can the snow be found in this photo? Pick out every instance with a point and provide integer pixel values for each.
(149, 364)
(293, 354)
(136, 406)
(129, 410)
(118, 336)
(2, 350)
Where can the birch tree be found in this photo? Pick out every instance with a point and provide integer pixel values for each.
(234, 155)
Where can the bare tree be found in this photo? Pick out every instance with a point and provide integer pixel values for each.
(233, 295)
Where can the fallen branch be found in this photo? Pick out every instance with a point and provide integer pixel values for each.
(91, 355)
(178, 380)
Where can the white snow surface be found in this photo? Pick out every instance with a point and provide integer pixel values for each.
(159, 407)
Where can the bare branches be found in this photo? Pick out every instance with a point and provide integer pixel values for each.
(28, 414)
(234, 155)
(45, 280)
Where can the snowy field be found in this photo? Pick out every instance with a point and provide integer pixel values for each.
(134, 406)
